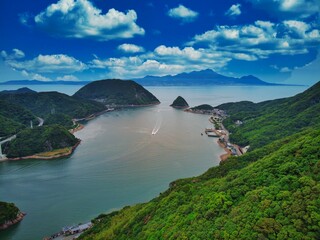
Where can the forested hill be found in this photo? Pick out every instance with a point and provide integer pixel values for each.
(44, 103)
(271, 120)
(13, 118)
(117, 92)
(271, 192)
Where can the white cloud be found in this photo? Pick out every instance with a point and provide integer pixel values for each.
(130, 48)
(48, 64)
(261, 39)
(16, 54)
(162, 61)
(183, 13)
(35, 76)
(67, 78)
(288, 8)
(234, 10)
(80, 19)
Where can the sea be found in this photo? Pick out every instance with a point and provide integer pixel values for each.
(125, 157)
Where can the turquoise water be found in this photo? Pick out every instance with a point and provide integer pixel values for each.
(119, 162)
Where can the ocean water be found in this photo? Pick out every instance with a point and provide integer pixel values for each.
(119, 161)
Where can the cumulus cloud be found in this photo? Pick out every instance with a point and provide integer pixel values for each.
(234, 10)
(80, 19)
(288, 8)
(162, 61)
(182, 13)
(261, 39)
(48, 64)
(130, 48)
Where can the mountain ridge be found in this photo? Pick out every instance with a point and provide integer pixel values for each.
(207, 76)
(202, 77)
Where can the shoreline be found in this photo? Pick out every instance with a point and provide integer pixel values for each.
(12, 222)
(39, 157)
(227, 154)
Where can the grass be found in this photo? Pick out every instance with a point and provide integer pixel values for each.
(55, 152)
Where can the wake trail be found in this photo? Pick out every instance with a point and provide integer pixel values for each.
(158, 124)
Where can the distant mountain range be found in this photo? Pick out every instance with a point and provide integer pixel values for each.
(203, 77)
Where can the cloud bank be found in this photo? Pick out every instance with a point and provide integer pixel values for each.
(80, 19)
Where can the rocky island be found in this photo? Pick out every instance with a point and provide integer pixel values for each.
(114, 92)
(180, 102)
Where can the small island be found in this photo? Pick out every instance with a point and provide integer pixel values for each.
(117, 93)
(9, 215)
(179, 103)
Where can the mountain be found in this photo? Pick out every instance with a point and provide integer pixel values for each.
(179, 102)
(18, 91)
(44, 103)
(36, 82)
(271, 192)
(204, 77)
(117, 93)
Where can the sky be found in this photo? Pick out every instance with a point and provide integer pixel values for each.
(85, 40)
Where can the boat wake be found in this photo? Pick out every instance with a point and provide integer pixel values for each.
(158, 124)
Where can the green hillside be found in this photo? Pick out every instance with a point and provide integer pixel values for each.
(44, 103)
(271, 192)
(13, 118)
(179, 102)
(60, 119)
(117, 92)
(270, 120)
(38, 140)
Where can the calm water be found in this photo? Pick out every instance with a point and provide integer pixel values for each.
(119, 161)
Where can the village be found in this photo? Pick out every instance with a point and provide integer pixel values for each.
(220, 132)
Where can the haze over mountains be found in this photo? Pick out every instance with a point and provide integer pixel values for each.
(203, 77)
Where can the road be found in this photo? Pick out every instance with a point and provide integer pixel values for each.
(41, 121)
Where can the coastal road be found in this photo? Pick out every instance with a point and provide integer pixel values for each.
(8, 139)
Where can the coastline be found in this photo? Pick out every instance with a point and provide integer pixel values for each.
(42, 157)
(12, 222)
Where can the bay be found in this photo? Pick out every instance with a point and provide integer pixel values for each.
(119, 162)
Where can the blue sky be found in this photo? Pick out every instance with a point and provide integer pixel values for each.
(84, 40)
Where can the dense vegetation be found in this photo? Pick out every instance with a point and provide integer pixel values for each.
(180, 102)
(270, 120)
(40, 139)
(117, 92)
(60, 119)
(203, 107)
(13, 118)
(8, 211)
(44, 103)
(271, 192)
